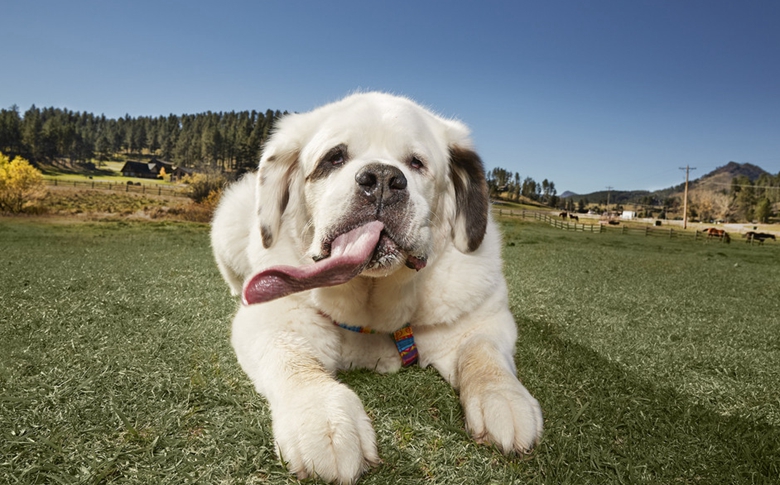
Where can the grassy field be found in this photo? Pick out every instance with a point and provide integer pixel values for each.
(655, 361)
(108, 172)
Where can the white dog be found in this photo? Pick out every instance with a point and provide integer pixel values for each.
(368, 232)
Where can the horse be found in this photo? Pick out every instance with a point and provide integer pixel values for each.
(719, 233)
(562, 215)
(574, 218)
(758, 236)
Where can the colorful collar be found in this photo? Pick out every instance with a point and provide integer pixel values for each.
(404, 341)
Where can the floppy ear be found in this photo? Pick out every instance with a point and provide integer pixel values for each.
(276, 178)
(471, 198)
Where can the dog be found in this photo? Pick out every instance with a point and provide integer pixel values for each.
(364, 240)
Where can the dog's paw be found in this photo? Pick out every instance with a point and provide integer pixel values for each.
(501, 411)
(326, 434)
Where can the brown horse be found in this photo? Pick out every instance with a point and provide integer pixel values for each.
(573, 217)
(719, 233)
(563, 215)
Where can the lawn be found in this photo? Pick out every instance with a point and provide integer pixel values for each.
(655, 361)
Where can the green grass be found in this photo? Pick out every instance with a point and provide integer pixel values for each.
(114, 179)
(108, 172)
(655, 361)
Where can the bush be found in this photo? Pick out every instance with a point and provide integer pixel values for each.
(21, 184)
(200, 186)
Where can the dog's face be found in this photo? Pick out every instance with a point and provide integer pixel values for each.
(373, 157)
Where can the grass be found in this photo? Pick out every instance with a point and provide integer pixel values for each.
(103, 178)
(110, 171)
(655, 361)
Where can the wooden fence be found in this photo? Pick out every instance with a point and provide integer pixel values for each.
(568, 225)
(151, 189)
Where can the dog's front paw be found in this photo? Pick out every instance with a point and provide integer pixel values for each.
(501, 411)
(325, 433)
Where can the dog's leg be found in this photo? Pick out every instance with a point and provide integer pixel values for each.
(376, 352)
(497, 407)
(476, 356)
(320, 426)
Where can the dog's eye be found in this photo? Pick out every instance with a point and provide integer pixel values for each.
(336, 156)
(416, 163)
(331, 161)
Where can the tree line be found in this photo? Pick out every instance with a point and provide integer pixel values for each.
(503, 183)
(753, 201)
(222, 141)
(219, 141)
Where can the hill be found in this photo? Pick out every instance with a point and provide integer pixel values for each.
(722, 176)
(718, 179)
(712, 197)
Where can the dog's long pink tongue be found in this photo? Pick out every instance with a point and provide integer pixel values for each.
(349, 254)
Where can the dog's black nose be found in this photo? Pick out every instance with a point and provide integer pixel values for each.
(381, 183)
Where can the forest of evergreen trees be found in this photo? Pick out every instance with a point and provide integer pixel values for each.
(221, 141)
(207, 141)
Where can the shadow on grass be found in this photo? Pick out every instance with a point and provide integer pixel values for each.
(605, 425)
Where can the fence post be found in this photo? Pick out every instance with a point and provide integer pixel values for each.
(500, 212)
(158, 190)
(671, 232)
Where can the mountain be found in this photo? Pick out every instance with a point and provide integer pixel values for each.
(734, 169)
(721, 177)
(718, 179)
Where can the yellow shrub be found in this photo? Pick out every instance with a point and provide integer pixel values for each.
(20, 184)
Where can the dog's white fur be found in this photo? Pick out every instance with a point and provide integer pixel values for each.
(457, 305)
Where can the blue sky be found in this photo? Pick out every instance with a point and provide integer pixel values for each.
(587, 94)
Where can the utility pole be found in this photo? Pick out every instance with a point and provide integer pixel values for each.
(685, 202)
(609, 189)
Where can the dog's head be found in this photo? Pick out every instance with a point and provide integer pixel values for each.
(373, 157)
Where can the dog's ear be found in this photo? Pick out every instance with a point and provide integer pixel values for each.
(276, 180)
(471, 198)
